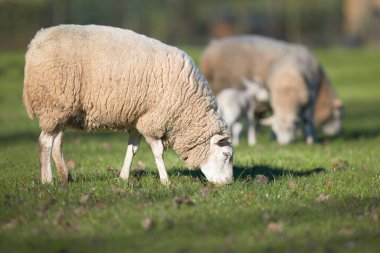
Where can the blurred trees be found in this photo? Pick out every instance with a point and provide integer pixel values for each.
(362, 21)
(19, 20)
(322, 22)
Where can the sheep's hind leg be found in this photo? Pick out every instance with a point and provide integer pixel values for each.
(158, 152)
(46, 143)
(236, 129)
(133, 145)
(63, 172)
(309, 131)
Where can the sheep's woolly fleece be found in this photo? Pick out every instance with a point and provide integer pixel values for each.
(225, 62)
(96, 77)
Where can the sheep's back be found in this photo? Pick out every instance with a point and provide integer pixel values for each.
(95, 77)
(225, 62)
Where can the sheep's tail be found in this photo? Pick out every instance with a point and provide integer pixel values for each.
(27, 105)
(25, 98)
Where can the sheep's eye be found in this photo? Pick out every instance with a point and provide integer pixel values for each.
(226, 155)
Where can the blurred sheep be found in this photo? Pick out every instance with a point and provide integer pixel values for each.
(300, 90)
(235, 104)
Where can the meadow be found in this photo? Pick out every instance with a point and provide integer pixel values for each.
(295, 198)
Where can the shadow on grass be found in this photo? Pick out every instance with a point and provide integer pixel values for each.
(247, 173)
(88, 177)
(244, 173)
(240, 174)
(91, 177)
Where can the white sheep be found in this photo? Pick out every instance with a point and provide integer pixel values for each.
(225, 62)
(235, 104)
(96, 77)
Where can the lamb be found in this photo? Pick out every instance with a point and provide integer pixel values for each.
(233, 104)
(225, 62)
(97, 77)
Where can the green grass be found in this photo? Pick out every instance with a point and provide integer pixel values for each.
(99, 213)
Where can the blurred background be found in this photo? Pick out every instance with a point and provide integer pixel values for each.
(343, 34)
(320, 23)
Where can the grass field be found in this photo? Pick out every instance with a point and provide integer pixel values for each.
(298, 198)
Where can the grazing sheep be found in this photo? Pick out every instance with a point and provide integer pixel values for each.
(96, 77)
(233, 104)
(225, 62)
(291, 99)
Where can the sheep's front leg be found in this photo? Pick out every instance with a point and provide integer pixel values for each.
(309, 131)
(236, 129)
(46, 143)
(251, 128)
(158, 152)
(58, 159)
(133, 145)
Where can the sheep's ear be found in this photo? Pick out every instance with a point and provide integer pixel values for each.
(338, 103)
(247, 84)
(267, 121)
(219, 138)
(258, 80)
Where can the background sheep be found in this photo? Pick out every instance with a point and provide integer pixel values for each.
(225, 62)
(234, 104)
(96, 77)
(291, 99)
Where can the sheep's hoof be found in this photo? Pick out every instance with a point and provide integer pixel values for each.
(125, 180)
(309, 140)
(165, 182)
(123, 177)
(46, 181)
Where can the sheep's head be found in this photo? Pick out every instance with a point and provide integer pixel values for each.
(218, 167)
(256, 89)
(283, 127)
(334, 124)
